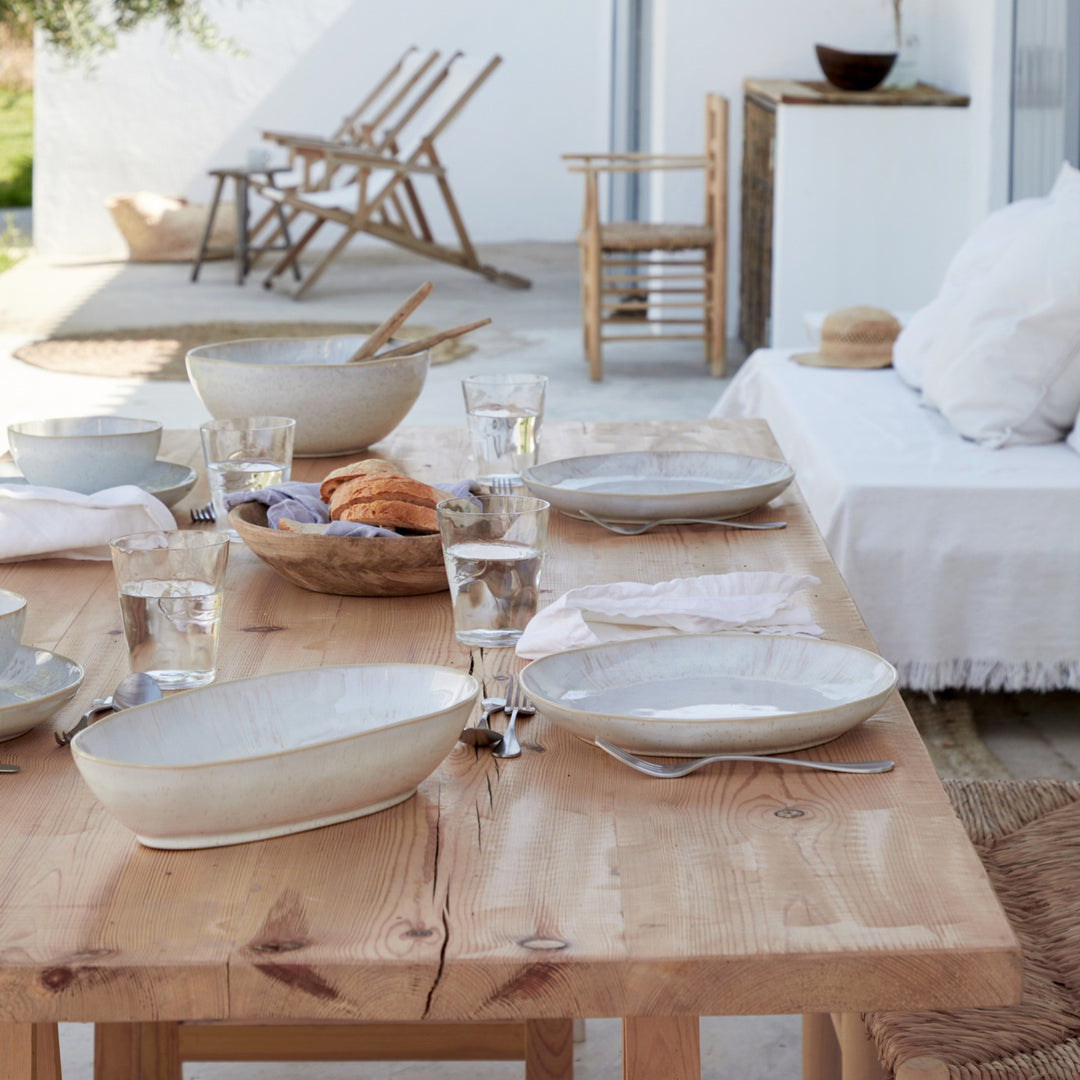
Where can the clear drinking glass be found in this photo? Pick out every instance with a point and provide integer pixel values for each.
(493, 546)
(504, 414)
(171, 586)
(247, 453)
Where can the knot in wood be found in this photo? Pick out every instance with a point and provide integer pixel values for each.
(275, 946)
(269, 628)
(544, 944)
(418, 931)
(789, 812)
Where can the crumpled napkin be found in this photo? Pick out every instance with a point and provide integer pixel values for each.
(51, 523)
(301, 502)
(748, 601)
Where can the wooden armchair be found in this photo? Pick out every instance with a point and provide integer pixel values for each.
(374, 187)
(657, 270)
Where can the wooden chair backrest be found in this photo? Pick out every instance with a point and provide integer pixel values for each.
(716, 167)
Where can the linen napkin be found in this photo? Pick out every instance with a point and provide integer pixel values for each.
(748, 601)
(51, 523)
(301, 502)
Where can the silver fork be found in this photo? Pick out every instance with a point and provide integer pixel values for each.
(203, 513)
(516, 702)
(645, 526)
(501, 485)
(681, 768)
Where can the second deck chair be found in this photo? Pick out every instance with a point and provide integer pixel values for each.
(382, 194)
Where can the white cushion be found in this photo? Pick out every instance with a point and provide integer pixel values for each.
(1004, 366)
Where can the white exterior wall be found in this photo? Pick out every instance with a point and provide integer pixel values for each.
(155, 116)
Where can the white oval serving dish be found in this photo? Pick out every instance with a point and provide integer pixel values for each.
(277, 754)
(644, 486)
(689, 694)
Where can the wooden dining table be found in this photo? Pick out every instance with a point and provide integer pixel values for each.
(559, 884)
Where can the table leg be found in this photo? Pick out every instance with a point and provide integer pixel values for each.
(241, 228)
(29, 1052)
(148, 1051)
(549, 1049)
(821, 1057)
(661, 1048)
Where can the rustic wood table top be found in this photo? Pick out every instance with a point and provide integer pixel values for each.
(558, 884)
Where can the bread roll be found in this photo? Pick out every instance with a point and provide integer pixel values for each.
(385, 488)
(370, 468)
(392, 514)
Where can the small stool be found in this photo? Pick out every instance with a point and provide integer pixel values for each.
(242, 251)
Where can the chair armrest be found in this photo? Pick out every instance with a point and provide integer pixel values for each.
(630, 163)
(342, 153)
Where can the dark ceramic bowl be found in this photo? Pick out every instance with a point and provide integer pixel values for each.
(854, 71)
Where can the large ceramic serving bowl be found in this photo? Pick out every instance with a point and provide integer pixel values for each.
(344, 565)
(338, 407)
(12, 618)
(644, 486)
(263, 757)
(688, 695)
(85, 453)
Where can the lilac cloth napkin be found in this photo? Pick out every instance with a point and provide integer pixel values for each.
(298, 501)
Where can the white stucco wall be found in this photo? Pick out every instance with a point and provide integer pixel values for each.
(155, 116)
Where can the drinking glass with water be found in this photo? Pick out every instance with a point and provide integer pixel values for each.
(245, 454)
(493, 546)
(171, 587)
(504, 413)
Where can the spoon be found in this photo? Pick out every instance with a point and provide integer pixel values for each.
(482, 735)
(645, 526)
(135, 688)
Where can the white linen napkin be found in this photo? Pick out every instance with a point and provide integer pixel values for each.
(748, 601)
(51, 523)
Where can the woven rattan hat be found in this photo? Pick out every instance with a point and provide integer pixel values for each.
(854, 337)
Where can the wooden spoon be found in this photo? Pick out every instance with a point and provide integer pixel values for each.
(383, 333)
(411, 347)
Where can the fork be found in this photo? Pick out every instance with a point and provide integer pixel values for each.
(516, 702)
(203, 513)
(501, 485)
(681, 768)
(645, 526)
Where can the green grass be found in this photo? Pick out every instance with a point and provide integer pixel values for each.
(16, 147)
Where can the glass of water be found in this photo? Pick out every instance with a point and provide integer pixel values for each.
(493, 546)
(171, 586)
(248, 453)
(504, 414)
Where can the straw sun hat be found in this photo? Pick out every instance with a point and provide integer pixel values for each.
(854, 337)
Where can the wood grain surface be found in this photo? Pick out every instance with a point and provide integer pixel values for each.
(557, 884)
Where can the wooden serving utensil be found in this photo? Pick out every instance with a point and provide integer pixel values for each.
(411, 347)
(385, 331)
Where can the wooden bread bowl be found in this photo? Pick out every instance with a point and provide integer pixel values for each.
(344, 565)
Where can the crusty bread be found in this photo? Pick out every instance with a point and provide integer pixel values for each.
(370, 468)
(392, 488)
(391, 514)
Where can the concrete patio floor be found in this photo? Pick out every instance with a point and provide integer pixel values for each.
(535, 330)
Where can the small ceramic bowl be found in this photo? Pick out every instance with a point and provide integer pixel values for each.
(85, 453)
(339, 407)
(12, 617)
(277, 754)
(854, 71)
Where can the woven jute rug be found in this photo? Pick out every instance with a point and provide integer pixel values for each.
(947, 726)
(157, 352)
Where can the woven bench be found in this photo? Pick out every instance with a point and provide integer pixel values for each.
(1027, 833)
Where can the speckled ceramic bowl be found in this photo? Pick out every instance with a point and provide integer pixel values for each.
(12, 617)
(339, 407)
(85, 453)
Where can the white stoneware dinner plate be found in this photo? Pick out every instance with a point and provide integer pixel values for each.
(168, 480)
(645, 486)
(294, 750)
(690, 695)
(33, 687)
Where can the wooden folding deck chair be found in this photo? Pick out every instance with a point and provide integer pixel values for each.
(380, 195)
(644, 269)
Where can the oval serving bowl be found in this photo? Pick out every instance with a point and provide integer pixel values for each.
(339, 407)
(278, 754)
(693, 694)
(644, 486)
(344, 565)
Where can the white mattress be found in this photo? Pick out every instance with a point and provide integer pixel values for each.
(964, 561)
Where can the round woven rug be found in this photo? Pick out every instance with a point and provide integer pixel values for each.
(157, 352)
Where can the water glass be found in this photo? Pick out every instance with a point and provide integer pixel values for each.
(245, 454)
(171, 586)
(493, 547)
(504, 414)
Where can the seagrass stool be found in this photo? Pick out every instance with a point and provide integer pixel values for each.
(1027, 834)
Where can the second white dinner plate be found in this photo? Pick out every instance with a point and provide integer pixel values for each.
(645, 486)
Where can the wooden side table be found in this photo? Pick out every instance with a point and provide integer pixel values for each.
(242, 251)
(847, 198)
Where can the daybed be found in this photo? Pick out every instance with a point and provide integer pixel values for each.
(964, 560)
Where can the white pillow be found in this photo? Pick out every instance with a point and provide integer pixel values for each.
(1004, 366)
